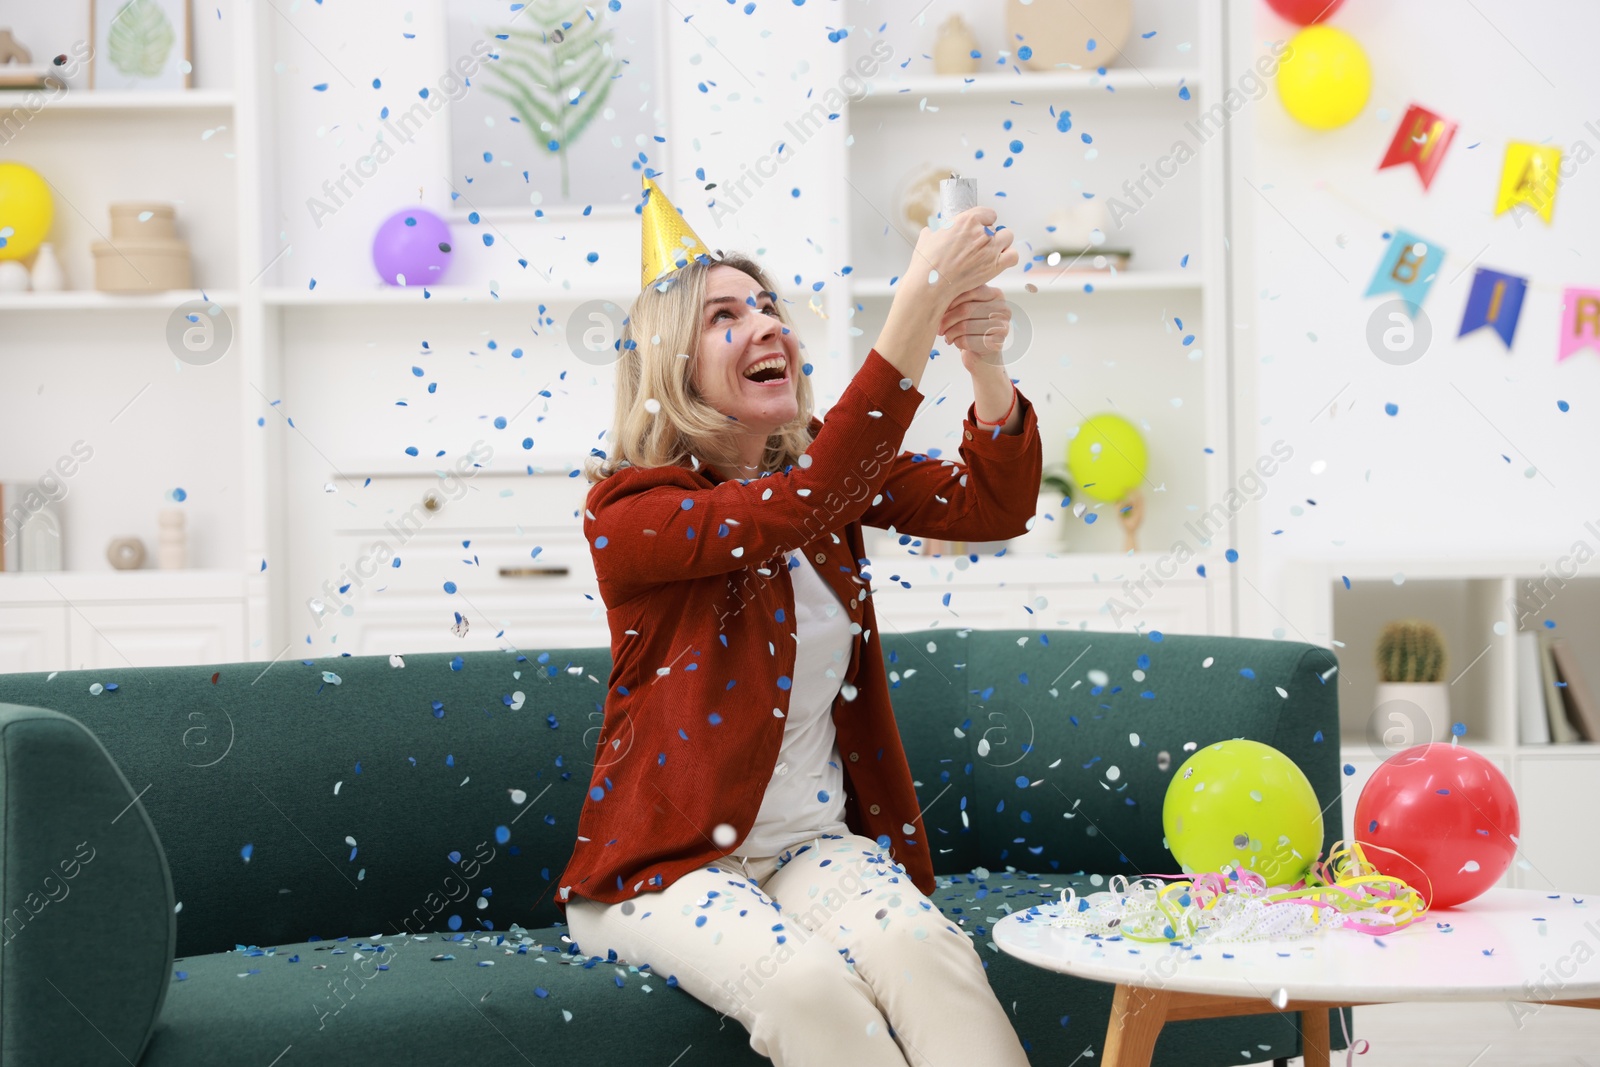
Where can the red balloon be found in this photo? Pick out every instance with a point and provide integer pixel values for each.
(1305, 12)
(1442, 818)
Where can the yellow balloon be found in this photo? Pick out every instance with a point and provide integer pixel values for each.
(1107, 458)
(25, 210)
(1325, 80)
(1243, 804)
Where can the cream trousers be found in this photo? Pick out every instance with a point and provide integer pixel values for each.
(826, 955)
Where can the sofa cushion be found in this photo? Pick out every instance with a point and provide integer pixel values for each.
(261, 775)
(86, 899)
(500, 1001)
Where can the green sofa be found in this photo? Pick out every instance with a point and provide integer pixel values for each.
(352, 860)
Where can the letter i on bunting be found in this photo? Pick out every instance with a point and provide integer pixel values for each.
(1496, 301)
(1529, 177)
(1580, 322)
(1407, 268)
(1421, 140)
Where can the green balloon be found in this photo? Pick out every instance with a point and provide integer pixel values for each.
(1243, 804)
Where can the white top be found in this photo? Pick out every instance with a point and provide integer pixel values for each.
(806, 794)
(1508, 944)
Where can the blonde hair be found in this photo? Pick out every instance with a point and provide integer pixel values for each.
(664, 322)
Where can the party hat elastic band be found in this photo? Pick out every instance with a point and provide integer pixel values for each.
(668, 241)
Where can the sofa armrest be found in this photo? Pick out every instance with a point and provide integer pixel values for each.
(87, 918)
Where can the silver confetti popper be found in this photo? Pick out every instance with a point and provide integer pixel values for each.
(956, 194)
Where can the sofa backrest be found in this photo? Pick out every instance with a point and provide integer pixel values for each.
(348, 796)
(1087, 730)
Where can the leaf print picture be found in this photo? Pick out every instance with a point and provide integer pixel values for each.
(567, 98)
(141, 44)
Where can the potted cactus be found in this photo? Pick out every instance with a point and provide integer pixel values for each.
(1411, 663)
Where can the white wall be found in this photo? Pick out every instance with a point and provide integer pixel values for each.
(1430, 481)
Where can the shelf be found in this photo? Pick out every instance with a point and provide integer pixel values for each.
(1018, 565)
(397, 296)
(133, 101)
(1060, 283)
(94, 300)
(1358, 754)
(109, 586)
(393, 296)
(1384, 568)
(938, 88)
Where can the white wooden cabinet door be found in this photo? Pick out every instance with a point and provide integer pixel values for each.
(155, 635)
(923, 607)
(33, 637)
(1556, 799)
(1178, 608)
(527, 624)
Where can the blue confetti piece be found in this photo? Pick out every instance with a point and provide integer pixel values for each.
(1391, 409)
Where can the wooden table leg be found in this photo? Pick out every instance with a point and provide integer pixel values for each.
(1314, 1037)
(1137, 1016)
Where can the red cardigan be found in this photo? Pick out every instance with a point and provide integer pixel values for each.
(691, 568)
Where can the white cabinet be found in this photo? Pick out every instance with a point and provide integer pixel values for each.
(1480, 607)
(33, 637)
(118, 619)
(155, 635)
(1015, 592)
(1556, 797)
(508, 556)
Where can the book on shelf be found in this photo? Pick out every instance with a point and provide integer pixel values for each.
(1578, 701)
(1561, 731)
(1533, 724)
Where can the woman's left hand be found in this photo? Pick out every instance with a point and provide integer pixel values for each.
(978, 323)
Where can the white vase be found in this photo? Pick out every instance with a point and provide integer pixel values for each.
(47, 274)
(1048, 533)
(13, 277)
(1411, 713)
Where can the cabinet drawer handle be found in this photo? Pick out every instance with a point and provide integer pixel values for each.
(532, 572)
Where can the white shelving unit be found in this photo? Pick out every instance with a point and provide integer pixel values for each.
(1479, 606)
(1100, 340)
(292, 448)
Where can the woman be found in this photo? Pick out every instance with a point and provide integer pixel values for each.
(774, 864)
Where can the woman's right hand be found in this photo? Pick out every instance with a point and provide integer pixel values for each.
(963, 255)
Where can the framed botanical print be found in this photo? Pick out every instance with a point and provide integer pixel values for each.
(563, 99)
(141, 44)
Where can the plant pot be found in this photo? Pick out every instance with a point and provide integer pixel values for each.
(1411, 713)
(1049, 530)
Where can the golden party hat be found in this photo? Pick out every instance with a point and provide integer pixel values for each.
(669, 242)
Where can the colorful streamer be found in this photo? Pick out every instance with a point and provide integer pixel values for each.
(1345, 892)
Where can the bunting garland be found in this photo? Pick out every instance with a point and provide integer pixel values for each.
(1529, 179)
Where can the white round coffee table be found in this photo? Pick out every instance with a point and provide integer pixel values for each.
(1508, 945)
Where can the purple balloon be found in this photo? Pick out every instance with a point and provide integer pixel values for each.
(412, 248)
